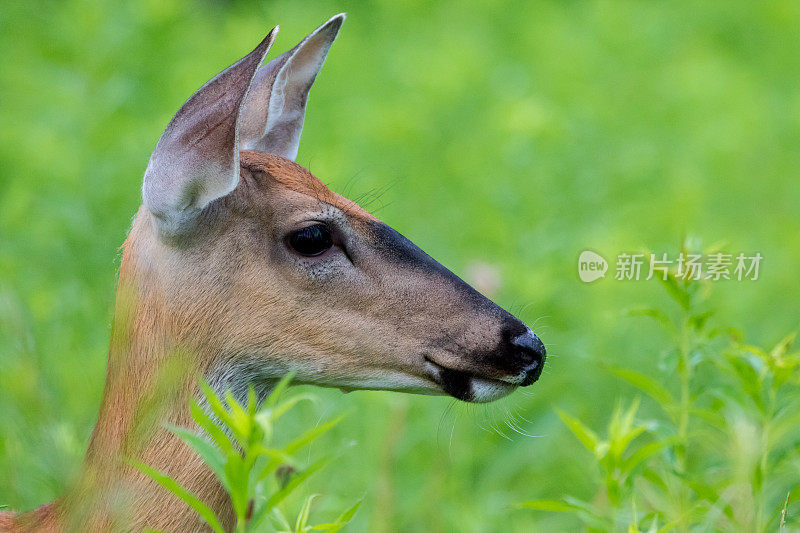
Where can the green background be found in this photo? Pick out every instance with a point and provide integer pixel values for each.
(512, 135)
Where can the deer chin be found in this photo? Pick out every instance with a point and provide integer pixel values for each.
(437, 380)
(468, 387)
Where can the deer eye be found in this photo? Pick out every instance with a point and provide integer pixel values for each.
(311, 240)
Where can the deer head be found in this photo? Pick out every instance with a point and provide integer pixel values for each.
(268, 271)
(250, 267)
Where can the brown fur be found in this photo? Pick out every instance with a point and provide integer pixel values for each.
(234, 291)
(294, 177)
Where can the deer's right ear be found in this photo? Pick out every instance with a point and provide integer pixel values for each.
(196, 159)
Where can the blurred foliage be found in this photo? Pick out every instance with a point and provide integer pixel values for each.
(722, 455)
(511, 134)
(235, 441)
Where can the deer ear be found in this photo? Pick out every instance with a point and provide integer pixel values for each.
(196, 159)
(274, 109)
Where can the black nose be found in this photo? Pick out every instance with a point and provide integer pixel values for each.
(531, 354)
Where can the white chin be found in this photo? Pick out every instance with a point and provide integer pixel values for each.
(484, 391)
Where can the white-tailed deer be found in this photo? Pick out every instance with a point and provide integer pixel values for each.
(244, 266)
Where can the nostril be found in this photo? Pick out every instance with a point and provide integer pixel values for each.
(531, 353)
(532, 348)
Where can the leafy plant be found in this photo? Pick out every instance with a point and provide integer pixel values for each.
(234, 442)
(721, 452)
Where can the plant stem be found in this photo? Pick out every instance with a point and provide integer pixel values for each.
(758, 484)
(685, 376)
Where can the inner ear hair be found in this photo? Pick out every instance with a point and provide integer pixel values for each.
(196, 159)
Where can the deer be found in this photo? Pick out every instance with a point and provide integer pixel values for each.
(246, 267)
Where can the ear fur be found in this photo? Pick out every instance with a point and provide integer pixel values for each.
(196, 159)
(274, 110)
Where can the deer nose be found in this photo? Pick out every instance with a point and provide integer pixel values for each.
(531, 353)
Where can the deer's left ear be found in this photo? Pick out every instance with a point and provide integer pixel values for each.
(274, 109)
(196, 159)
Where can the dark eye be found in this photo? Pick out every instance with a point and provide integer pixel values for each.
(311, 240)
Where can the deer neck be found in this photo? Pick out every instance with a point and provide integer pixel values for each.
(151, 378)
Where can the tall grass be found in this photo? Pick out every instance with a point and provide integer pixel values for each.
(235, 441)
(721, 451)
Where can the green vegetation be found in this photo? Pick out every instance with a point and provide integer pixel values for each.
(721, 455)
(500, 136)
(235, 444)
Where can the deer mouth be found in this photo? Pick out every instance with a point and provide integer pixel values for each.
(467, 386)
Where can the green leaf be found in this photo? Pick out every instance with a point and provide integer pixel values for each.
(648, 385)
(547, 505)
(785, 424)
(284, 456)
(782, 348)
(295, 481)
(276, 458)
(711, 494)
(305, 512)
(239, 482)
(278, 521)
(732, 333)
(277, 454)
(212, 428)
(340, 522)
(669, 526)
(240, 424)
(278, 390)
(210, 455)
(279, 496)
(699, 320)
(252, 403)
(311, 435)
(749, 379)
(628, 417)
(646, 451)
(656, 479)
(591, 515)
(215, 404)
(621, 443)
(190, 499)
(586, 436)
(281, 409)
(713, 418)
(680, 295)
(657, 315)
